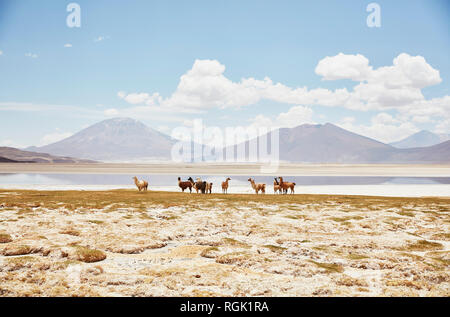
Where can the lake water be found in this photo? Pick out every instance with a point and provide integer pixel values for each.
(347, 185)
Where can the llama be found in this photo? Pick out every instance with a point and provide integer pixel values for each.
(209, 187)
(286, 185)
(141, 184)
(183, 185)
(225, 186)
(200, 186)
(257, 187)
(276, 187)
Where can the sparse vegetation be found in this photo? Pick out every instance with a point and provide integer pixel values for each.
(274, 248)
(174, 244)
(71, 232)
(17, 250)
(329, 267)
(233, 258)
(5, 238)
(423, 245)
(87, 255)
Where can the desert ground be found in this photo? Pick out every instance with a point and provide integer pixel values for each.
(126, 243)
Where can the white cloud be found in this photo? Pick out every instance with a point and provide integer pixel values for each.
(443, 126)
(204, 87)
(140, 98)
(11, 143)
(294, 117)
(54, 137)
(341, 66)
(68, 45)
(383, 128)
(111, 112)
(397, 87)
(422, 119)
(31, 55)
(1, 52)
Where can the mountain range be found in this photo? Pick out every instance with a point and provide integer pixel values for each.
(124, 139)
(13, 155)
(328, 143)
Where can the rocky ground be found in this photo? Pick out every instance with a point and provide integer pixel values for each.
(124, 243)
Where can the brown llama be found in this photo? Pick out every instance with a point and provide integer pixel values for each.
(141, 184)
(202, 186)
(257, 187)
(225, 186)
(183, 185)
(276, 187)
(209, 187)
(287, 185)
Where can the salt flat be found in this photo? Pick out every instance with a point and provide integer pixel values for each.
(386, 190)
(399, 170)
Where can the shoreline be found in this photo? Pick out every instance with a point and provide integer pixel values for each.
(382, 191)
(363, 170)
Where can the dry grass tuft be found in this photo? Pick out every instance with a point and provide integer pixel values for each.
(274, 248)
(404, 283)
(329, 267)
(71, 232)
(209, 252)
(14, 250)
(87, 255)
(423, 245)
(233, 258)
(5, 238)
(350, 281)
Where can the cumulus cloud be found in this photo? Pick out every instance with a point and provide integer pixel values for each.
(396, 87)
(68, 45)
(341, 66)
(205, 86)
(294, 117)
(383, 127)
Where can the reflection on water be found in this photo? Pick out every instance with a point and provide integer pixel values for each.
(168, 180)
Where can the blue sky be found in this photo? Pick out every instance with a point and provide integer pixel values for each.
(127, 49)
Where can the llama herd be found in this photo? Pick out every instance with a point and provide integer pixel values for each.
(200, 186)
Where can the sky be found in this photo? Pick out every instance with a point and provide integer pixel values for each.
(253, 63)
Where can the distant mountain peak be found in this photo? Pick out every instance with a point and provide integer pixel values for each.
(422, 138)
(114, 139)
